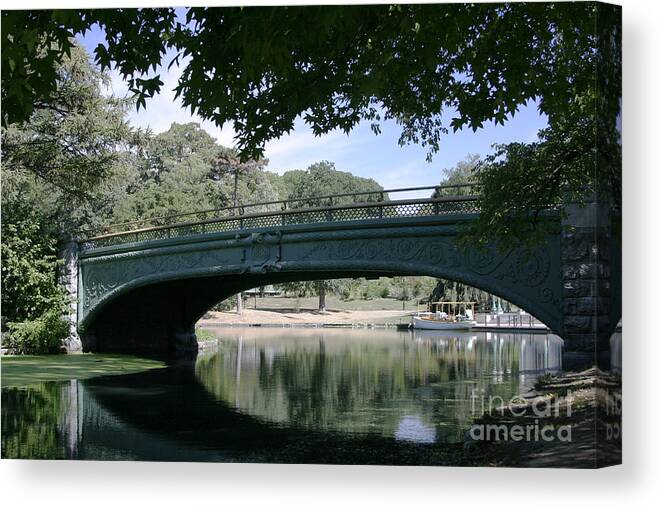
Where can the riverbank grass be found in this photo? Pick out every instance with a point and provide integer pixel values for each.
(25, 370)
(203, 335)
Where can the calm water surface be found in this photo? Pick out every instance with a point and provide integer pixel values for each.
(285, 395)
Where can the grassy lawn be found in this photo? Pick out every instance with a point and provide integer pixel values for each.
(24, 370)
(203, 334)
(311, 303)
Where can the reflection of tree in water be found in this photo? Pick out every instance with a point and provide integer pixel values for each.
(352, 385)
(30, 421)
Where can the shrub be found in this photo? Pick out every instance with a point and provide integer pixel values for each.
(29, 264)
(345, 293)
(226, 305)
(202, 334)
(39, 336)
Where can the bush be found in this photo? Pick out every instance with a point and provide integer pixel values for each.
(202, 334)
(226, 305)
(29, 264)
(345, 293)
(38, 336)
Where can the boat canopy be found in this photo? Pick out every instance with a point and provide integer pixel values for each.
(451, 308)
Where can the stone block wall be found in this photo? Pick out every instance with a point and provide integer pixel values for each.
(587, 280)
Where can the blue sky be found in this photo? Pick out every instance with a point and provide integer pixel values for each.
(361, 152)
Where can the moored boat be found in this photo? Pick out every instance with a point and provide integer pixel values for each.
(453, 319)
(431, 323)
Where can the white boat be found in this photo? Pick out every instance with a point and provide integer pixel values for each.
(441, 320)
(431, 323)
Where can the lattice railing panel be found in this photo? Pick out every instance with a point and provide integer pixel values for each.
(272, 217)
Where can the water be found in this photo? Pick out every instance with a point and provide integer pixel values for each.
(284, 395)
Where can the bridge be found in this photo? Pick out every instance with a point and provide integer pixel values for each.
(141, 286)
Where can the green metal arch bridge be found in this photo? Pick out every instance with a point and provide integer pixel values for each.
(141, 286)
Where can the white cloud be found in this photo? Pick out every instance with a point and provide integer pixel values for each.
(164, 109)
(299, 139)
(293, 151)
(302, 148)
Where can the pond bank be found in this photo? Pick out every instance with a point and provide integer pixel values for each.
(24, 370)
(288, 317)
(567, 420)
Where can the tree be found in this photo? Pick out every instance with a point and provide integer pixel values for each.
(322, 179)
(463, 173)
(184, 189)
(71, 143)
(33, 302)
(172, 174)
(184, 170)
(315, 287)
(53, 172)
(432, 68)
(335, 64)
(406, 288)
(187, 144)
(285, 184)
(228, 163)
(566, 164)
(29, 264)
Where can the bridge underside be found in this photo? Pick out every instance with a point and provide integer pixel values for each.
(146, 298)
(160, 318)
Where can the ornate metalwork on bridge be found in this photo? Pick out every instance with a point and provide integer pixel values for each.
(176, 271)
(447, 200)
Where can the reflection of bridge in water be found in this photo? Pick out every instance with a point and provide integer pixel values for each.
(255, 393)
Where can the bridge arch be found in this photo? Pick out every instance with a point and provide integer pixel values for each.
(147, 296)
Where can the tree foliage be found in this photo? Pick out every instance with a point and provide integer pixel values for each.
(453, 291)
(184, 170)
(36, 42)
(52, 171)
(430, 67)
(29, 264)
(319, 288)
(322, 179)
(520, 181)
(71, 141)
(463, 173)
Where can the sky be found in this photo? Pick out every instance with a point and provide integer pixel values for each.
(361, 152)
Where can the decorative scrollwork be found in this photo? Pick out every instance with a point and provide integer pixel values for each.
(533, 276)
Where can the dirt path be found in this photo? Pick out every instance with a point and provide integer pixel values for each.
(285, 317)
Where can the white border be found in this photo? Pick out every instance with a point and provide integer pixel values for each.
(116, 484)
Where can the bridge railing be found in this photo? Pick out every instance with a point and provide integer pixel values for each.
(450, 199)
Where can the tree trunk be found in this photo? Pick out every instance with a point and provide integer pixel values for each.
(235, 192)
(322, 298)
(239, 303)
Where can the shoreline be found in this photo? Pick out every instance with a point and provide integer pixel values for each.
(286, 318)
(588, 404)
(306, 318)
